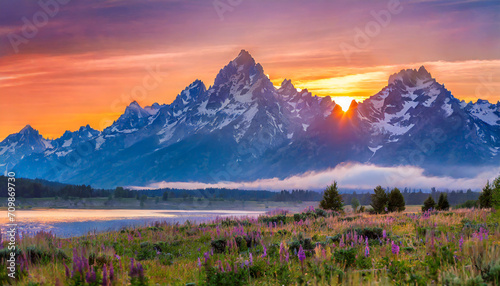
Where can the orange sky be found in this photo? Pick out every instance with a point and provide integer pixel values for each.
(85, 64)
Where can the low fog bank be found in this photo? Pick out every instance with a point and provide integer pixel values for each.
(356, 176)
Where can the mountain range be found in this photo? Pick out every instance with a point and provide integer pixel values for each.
(244, 128)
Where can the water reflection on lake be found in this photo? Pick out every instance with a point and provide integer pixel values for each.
(66, 223)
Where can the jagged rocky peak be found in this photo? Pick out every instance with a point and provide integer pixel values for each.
(244, 59)
(190, 94)
(28, 130)
(287, 86)
(411, 77)
(134, 109)
(243, 65)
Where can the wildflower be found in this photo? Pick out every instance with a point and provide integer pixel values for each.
(265, 251)
(111, 272)
(206, 255)
(251, 259)
(301, 254)
(199, 263)
(104, 276)
(384, 234)
(395, 248)
(66, 269)
(91, 276)
(367, 251)
(282, 252)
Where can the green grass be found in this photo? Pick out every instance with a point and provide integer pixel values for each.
(459, 247)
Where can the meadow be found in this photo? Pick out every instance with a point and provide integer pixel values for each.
(311, 247)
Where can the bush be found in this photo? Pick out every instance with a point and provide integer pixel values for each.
(429, 203)
(219, 245)
(39, 256)
(467, 205)
(346, 257)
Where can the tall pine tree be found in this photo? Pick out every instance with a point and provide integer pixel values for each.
(396, 201)
(443, 203)
(379, 200)
(486, 197)
(332, 200)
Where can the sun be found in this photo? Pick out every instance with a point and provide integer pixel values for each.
(343, 101)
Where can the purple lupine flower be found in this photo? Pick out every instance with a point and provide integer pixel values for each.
(395, 248)
(132, 268)
(66, 269)
(251, 259)
(367, 251)
(265, 251)
(282, 252)
(111, 272)
(91, 276)
(301, 254)
(384, 234)
(104, 276)
(207, 256)
(199, 263)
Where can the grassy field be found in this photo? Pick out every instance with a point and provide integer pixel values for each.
(459, 247)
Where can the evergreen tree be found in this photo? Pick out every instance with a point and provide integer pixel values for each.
(355, 204)
(443, 204)
(496, 193)
(486, 197)
(396, 201)
(143, 199)
(332, 200)
(429, 203)
(165, 196)
(379, 200)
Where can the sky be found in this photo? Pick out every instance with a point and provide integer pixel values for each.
(69, 63)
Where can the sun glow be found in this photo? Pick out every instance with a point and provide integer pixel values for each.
(343, 101)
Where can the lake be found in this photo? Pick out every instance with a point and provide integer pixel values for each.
(77, 222)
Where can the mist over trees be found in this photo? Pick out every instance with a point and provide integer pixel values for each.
(29, 188)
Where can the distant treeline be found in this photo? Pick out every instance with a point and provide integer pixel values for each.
(28, 188)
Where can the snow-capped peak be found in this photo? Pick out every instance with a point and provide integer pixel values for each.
(485, 111)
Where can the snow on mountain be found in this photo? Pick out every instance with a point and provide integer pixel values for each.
(244, 128)
(414, 106)
(409, 95)
(485, 111)
(19, 145)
